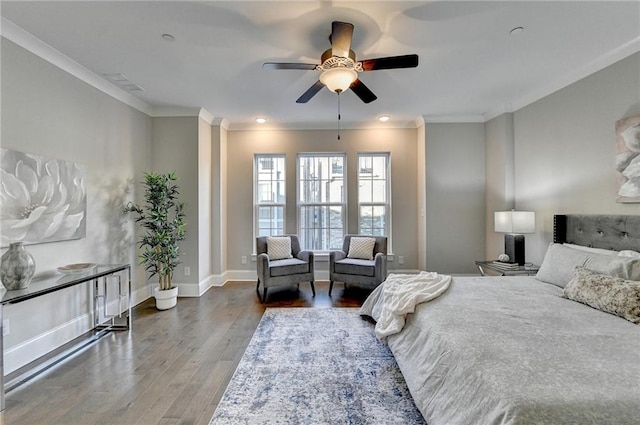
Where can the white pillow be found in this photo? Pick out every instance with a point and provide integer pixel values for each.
(361, 248)
(279, 247)
(629, 253)
(560, 262)
(592, 250)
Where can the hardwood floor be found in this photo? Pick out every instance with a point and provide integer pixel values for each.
(172, 368)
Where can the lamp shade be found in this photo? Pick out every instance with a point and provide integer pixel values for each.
(515, 221)
(338, 79)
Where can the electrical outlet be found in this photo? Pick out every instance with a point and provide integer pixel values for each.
(400, 259)
(244, 259)
(6, 327)
(187, 271)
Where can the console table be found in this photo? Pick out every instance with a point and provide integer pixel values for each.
(101, 326)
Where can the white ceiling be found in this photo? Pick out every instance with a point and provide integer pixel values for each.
(470, 68)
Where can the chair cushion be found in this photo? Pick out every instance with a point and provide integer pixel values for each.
(287, 266)
(355, 266)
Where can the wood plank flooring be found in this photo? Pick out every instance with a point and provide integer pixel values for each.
(171, 369)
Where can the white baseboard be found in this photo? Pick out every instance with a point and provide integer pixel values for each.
(320, 275)
(240, 275)
(42, 344)
(31, 349)
(187, 289)
(403, 271)
(140, 295)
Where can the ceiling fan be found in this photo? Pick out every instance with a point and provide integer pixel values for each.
(339, 66)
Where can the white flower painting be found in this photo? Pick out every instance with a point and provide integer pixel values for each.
(628, 159)
(41, 199)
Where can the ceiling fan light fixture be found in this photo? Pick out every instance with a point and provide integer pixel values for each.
(261, 120)
(339, 79)
(384, 118)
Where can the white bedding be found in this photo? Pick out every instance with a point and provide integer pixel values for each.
(398, 295)
(510, 351)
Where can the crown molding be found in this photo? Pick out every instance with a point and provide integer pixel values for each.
(497, 112)
(206, 116)
(17, 35)
(436, 119)
(222, 122)
(344, 125)
(598, 64)
(174, 111)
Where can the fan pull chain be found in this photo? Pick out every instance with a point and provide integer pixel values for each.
(338, 115)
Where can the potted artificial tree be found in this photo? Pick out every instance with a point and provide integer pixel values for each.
(162, 217)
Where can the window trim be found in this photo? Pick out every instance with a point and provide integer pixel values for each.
(256, 205)
(345, 194)
(389, 196)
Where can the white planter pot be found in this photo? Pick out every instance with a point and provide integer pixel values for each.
(166, 299)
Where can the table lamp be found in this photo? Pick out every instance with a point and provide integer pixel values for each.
(514, 224)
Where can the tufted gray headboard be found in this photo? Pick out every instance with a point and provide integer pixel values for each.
(615, 232)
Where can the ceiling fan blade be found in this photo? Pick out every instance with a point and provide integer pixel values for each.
(340, 38)
(391, 62)
(276, 65)
(306, 96)
(362, 91)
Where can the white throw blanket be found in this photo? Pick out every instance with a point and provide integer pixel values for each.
(398, 296)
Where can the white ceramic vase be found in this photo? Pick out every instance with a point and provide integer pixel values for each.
(17, 267)
(166, 299)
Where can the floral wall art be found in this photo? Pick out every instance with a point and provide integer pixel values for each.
(42, 199)
(628, 159)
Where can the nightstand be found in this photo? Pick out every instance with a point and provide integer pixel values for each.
(526, 270)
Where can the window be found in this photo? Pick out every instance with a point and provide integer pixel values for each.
(269, 194)
(374, 194)
(322, 203)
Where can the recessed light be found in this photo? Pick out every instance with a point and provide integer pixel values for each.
(384, 118)
(516, 30)
(261, 120)
(168, 37)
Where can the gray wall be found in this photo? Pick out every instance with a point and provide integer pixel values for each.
(455, 197)
(500, 176)
(564, 149)
(242, 145)
(48, 112)
(176, 146)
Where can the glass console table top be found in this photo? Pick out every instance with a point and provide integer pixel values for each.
(54, 282)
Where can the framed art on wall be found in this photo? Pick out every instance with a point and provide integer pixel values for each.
(42, 199)
(628, 159)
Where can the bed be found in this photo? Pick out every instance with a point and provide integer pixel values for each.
(511, 350)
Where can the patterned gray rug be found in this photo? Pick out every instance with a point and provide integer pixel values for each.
(316, 366)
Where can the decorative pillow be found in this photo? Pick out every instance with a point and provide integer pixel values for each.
(592, 250)
(560, 261)
(605, 293)
(279, 247)
(362, 248)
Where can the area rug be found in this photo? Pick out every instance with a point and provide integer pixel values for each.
(316, 366)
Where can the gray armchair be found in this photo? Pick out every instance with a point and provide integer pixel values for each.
(288, 271)
(353, 271)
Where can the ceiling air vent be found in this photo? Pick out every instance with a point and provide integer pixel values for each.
(123, 82)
